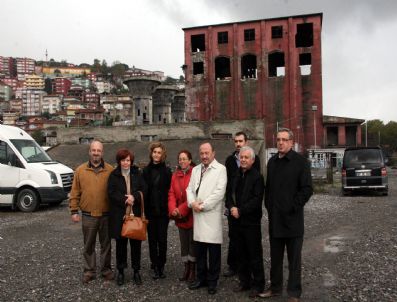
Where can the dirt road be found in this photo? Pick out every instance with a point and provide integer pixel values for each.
(349, 254)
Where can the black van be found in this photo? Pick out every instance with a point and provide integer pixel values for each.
(364, 169)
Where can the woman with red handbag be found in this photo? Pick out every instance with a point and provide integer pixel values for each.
(182, 214)
(124, 187)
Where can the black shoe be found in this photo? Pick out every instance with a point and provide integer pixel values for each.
(212, 290)
(229, 272)
(156, 274)
(161, 272)
(197, 284)
(120, 279)
(137, 278)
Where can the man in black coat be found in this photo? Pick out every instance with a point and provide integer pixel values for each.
(245, 206)
(288, 188)
(232, 167)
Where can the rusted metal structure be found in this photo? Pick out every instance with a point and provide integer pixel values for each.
(266, 69)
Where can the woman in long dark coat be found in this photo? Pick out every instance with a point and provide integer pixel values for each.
(158, 179)
(124, 185)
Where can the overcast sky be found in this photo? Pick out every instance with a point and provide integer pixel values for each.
(359, 42)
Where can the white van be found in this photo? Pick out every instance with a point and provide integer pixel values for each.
(28, 176)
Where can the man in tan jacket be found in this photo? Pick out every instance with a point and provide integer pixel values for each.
(89, 194)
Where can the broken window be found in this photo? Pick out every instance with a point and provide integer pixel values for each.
(248, 66)
(198, 68)
(139, 112)
(223, 37)
(351, 135)
(277, 32)
(305, 63)
(332, 136)
(276, 64)
(222, 68)
(249, 34)
(304, 35)
(197, 42)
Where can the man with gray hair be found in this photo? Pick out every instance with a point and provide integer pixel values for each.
(244, 202)
(288, 188)
(232, 166)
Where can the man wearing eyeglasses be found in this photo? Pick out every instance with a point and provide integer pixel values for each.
(288, 188)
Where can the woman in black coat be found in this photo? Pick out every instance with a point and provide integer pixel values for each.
(158, 179)
(124, 185)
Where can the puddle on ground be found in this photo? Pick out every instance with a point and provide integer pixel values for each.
(334, 244)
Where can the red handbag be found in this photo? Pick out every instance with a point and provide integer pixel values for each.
(135, 227)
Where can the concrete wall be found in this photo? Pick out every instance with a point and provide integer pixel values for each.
(193, 130)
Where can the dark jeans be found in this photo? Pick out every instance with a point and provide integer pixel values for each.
(294, 249)
(91, 227)
(121, 253)
(208, 269)
(232, 252)
(250, 254)
(157, 232)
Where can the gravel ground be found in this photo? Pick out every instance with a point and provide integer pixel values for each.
(349, 254)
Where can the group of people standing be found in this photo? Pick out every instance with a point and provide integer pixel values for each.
(195, 196)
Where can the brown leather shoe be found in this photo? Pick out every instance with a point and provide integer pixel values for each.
(269, 293)
(87, 278)
(108, 275)
(293, 299)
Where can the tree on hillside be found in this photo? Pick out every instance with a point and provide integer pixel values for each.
(118, 69)
(96, 67)
(104, 67)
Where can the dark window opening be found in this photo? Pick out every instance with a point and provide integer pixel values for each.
(139, 112)
(198, 42)
(305, 63)
(249, 34)
(223, 37)
(159, 117)
(164, 120)
(198, 68)
(332, 136)
(222, 68)
(276, 64)
(248, 67)
(304, 35)
(277, 32)
(351, 135)
(176, 120)
(144, 116)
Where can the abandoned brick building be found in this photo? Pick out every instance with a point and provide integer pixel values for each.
(264, 69)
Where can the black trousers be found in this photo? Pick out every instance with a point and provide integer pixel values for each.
(232, 252)
(121, 253)
(294, 251)
(250, 254)
(157, 234)
(208, 258)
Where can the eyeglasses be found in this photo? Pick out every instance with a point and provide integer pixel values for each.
(283, 139)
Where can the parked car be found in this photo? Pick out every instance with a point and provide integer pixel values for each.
(28, 176)
(363, 169)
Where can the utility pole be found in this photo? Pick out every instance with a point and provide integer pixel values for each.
(314, 109)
